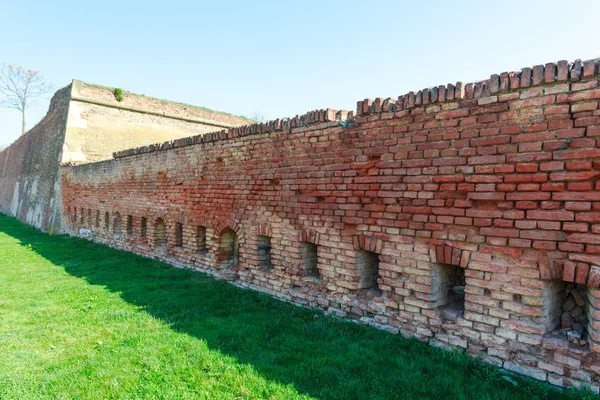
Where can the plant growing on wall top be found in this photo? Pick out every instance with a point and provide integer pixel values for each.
(347, 123)
(119, 94)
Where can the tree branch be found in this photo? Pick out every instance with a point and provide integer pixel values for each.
(19, 87)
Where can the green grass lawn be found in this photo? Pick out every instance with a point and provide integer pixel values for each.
(80, 320)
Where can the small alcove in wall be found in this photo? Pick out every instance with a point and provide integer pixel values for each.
(201, 239)
(367, 268)
(144, 227)
(448, 281)
(178, 234)
(117, 226)
(229, 248)
(264, 252)
(129, 225)
(448, 289)
(310, 258)
(367, 263)
(568, 311)
(160, 236)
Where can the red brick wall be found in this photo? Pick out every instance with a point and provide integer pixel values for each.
(492, 184)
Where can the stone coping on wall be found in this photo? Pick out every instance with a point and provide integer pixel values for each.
(487, 90)
(484, 92)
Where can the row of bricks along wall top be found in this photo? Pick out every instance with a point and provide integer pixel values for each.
(467, 215)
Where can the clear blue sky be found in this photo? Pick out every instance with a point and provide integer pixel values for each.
(282, 58)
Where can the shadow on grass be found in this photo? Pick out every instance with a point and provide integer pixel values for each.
(318, 355)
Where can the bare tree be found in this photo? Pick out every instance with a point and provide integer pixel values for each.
(20, 87)
(258, 117)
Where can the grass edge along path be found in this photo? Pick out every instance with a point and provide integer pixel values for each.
(82, 320)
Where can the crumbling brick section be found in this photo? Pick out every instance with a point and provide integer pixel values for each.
(466, 215)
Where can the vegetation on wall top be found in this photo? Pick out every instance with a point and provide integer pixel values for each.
(163, 101)
(119, 94)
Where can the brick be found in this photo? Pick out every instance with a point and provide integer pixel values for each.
(551, 215)
(581, 273)
(514, 79)
(527, 168)
(582, 107)
(550, 73)
(500, 232)
(482, 318)
(575, 227)
(571, 247)
(574, 176)
(586, 258)
(537, 75)
(551, 368)
(533, 102)
(529, 196)
(571, 362)
(575, 71)
(499, 159)
(564, 88)
(574, 196)
(579, 166)
(576, 87)
(569, 271)
(589, 69)
(525, 370)
(551, 343)
(525, 77)
(562, 71)
(593, 217)
(585, 95)
(584, 238)
(594, 277)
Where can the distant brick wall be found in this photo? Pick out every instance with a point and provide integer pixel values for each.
(29, 169)
(86, 123)
(465, 215)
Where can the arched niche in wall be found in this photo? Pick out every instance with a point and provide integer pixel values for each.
(117, 225)
(159, 238)
(228, 254)
(309, 253)
(448, 281)
(570, 292)
(367, 252)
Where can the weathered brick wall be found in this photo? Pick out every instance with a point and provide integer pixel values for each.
(29, 169)
(466, 215)
(86, 123)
